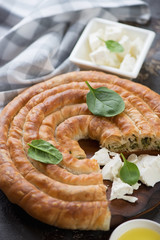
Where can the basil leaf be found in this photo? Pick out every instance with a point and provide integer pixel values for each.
(44, 152)
(113, 46)
(129, 173)
(104, 102)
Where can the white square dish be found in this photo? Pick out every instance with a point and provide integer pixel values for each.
(81, 52)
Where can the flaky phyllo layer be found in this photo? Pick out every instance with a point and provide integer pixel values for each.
(71, 194)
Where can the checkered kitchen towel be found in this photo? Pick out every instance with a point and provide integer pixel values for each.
(37, 36)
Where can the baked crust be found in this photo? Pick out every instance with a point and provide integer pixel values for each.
(71, 194)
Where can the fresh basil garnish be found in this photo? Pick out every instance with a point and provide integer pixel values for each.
(113, 46)
(44, 152)
(104, 102)
(129, 173)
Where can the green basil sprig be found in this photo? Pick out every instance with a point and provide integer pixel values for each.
(129, 173)
(104, 102)
(113, 46)
(44, 152)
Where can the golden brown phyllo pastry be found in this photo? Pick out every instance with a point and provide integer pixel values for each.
(71, 194)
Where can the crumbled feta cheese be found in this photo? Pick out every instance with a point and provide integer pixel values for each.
(128, 63)
(120, 189)
(131, 199)
(133, 158)
(149, 167)
(112, 154)
(102, 156)
(112, 167)
(136, 186)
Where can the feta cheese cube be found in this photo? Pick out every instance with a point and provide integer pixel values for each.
(125, 42)
(94, 39)
(102, 56)
(128, 63)
(113, 33)
(99, 56)
(136, 46)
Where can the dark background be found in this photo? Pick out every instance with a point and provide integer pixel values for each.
(15, 224)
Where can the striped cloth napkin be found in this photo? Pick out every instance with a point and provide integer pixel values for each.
(37, 37)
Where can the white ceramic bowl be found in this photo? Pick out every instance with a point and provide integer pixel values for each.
(80, 53)
(136, 223)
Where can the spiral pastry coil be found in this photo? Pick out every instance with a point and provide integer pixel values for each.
(71, 194)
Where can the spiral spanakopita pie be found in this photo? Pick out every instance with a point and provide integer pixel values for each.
(71, 194)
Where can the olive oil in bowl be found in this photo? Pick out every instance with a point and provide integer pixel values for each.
(137, 229)
(140, 234)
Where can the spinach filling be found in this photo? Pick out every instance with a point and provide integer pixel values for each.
(117, 148)
(134, 145)
(157, 145)
(133, 142)
(146, 141)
